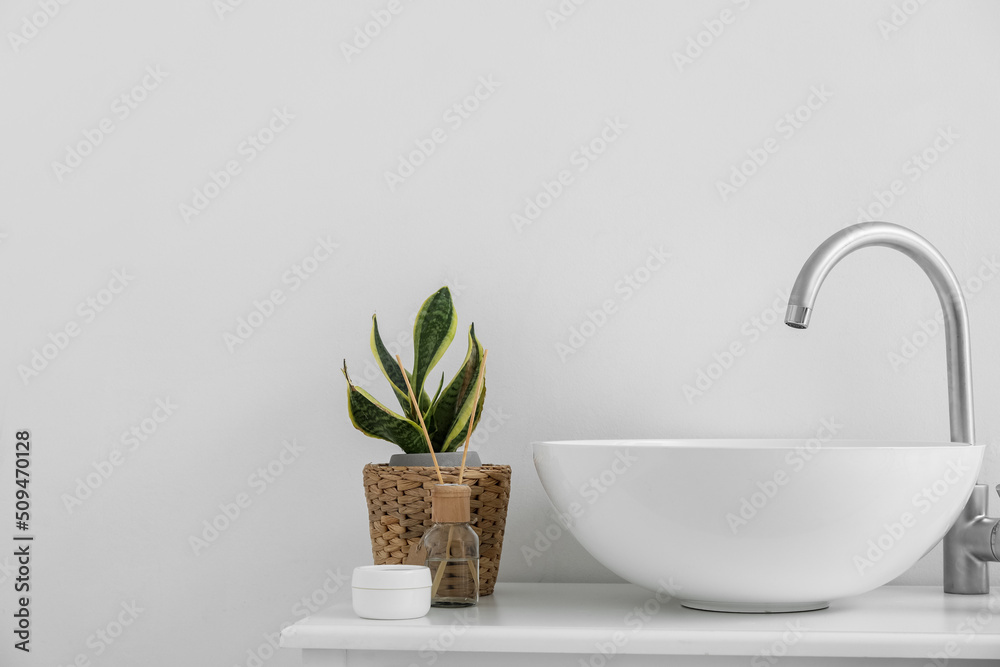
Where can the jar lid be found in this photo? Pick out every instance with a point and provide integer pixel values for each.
(391, 577)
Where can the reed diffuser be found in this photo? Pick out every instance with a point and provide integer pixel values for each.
(450, 547)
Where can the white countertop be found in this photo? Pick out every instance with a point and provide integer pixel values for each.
(892, 621)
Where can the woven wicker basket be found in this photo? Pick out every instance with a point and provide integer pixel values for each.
(399, 510)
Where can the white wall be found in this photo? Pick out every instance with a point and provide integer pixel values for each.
(655, 187)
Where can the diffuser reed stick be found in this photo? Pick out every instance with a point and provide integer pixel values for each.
(443, 566)
(423, 427)
(465, 451)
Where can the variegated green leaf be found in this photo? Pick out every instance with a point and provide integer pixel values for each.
(441, 417)
(425, 400)
(390, 369)
(425, 408)
(377, 421)
(433, 332)
(467, 413)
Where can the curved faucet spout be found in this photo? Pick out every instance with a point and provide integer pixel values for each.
(917, 248)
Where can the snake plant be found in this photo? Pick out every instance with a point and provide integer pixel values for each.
(450, 413)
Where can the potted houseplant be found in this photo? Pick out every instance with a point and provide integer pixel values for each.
(398, 492)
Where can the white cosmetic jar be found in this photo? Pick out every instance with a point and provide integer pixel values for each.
(391, 592)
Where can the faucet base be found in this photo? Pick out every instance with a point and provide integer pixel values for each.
(970, 544)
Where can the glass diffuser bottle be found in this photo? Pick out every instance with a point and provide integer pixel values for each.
(452, 548)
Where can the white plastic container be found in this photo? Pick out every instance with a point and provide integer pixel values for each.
(391, 592)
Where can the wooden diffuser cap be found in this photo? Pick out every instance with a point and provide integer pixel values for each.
(450, 503)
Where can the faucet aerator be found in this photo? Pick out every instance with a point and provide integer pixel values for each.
(797, 317)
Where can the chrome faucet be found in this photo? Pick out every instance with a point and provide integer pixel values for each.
(974, 539)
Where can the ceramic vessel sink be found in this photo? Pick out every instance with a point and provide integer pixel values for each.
(758, 525)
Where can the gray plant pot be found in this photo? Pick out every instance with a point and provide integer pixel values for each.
(444, 459)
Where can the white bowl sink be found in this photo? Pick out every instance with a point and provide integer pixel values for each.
(757, 525)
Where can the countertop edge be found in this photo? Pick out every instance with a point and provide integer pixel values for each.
(943, 626)
(513, 639)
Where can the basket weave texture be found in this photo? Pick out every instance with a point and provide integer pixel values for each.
(399, 510)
